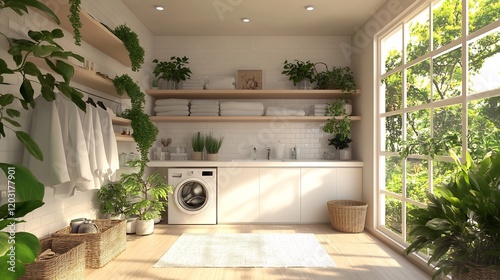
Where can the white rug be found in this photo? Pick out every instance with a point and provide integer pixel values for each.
(245, 250)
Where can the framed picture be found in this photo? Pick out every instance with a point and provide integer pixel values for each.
(249, 79)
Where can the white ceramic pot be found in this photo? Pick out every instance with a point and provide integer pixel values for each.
(144, 227)
(348, 109)
(131, 223)
(197, 155)
(113, 217)
(212, 157)
(345, 154)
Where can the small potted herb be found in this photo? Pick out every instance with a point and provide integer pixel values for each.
(198, 143)
(300, 73)
(212, 145)
(340, 126)
(174, 71)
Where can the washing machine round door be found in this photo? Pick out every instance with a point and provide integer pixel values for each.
(193, 196)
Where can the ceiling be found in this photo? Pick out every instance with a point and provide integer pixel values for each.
(267, 17)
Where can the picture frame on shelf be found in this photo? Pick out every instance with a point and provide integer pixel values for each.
(249, 79)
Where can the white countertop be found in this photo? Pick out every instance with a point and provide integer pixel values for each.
(257, 163)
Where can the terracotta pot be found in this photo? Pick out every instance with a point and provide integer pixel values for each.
(144, 227)
(212, 157)
(197, 155)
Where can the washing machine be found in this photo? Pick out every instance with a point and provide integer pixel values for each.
(194, 197)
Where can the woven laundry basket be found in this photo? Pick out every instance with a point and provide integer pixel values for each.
(347, 215)
(476, 274)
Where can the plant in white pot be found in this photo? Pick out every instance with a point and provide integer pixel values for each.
(340, 126)
(300, 73)
(112, 200)
(212, 145)
(174, 70)
(198, 144)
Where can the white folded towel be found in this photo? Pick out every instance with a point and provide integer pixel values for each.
(205, 102)
(214, 110)
(248, 106)
(204, 106)
(284, 111)
(167, 108)
(241, 112)
(319, 111)
(173, 113)
(171, 101)
(204, 113)
(224, 82)
(318, 114)
(320, 106)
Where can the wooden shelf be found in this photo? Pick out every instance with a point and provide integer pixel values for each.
(93, 32)
(120, 121)
(248, 94)
(85, 77)
(244, 118)
(124, 138)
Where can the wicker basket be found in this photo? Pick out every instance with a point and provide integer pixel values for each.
(477, 274)
(69, 264)
(347, 215)
(102, 247)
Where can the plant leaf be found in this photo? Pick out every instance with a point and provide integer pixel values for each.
(6, 99)
(20, 210)
(27, 91)
(29, 144)
(27, 185)
(12, 122)
(13, 113)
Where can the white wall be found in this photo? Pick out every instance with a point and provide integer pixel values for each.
(222, 56)
(56, 213)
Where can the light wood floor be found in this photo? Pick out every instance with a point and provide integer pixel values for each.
(357, 257)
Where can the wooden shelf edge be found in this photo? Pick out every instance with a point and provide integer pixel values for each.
(244, 118)
(249, 94)
(120, 121)
(124, 138)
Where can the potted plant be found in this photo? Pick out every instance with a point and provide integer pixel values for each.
(300, 73)
(173, 71)
(461, 223)
(340, 127)
(338, 78)
(212, 145)
(132, 44)
(155, 83)
(113, 200)
(198, 143)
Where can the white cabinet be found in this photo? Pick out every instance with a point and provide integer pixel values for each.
(238, 197)
(349, 183)
(279, 195)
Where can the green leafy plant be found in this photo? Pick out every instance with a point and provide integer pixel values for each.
(425, 145)
(113, 199)
(461, 224)
(299, 71)
(74, 18)
(25, 193)
(198, 142)
(338, 78)
(155, 83)
(173, 70)
(340, 128)
(131, 42)
(213, 144)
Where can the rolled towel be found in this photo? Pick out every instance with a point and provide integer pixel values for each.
(204, 114)
(171, 101)
(205, 102)
(241, 112)
(284, 111)
(167, 108)
(248, 106)
(174, 113)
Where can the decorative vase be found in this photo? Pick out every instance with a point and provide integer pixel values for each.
(305, 84)
(212, 157)
(144, 227)
(197, 155)
(345, 154)
(88, 227)
(131, 222)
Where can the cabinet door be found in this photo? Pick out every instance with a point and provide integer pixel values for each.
(350, 183)
(317, 187)
(280, 195)
(238, 197)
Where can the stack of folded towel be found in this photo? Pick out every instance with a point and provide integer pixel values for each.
(285, 111)
(193, 84)
(172, 107)
(204, 108)
(231, 108)
(221, 82)
(318, 109)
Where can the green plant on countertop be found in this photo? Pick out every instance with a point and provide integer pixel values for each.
(340, 128)
(299, 71)
(24, 192)
(213, 144)
(113, 199)
(74, 18)
(461, 223)
(338, 78)
(198, 142)
(131, 42)
(173, 70)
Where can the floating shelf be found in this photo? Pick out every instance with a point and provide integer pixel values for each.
(245, 118)
(124, 138)
(120, 121)
(85, 77)
(93, 32)
(248, 94)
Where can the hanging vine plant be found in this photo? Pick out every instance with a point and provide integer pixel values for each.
(74, 18)
(131, 42)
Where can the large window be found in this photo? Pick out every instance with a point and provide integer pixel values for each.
(439, 88)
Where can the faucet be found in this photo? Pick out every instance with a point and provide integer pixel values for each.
(268, 153)
(254, 157)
